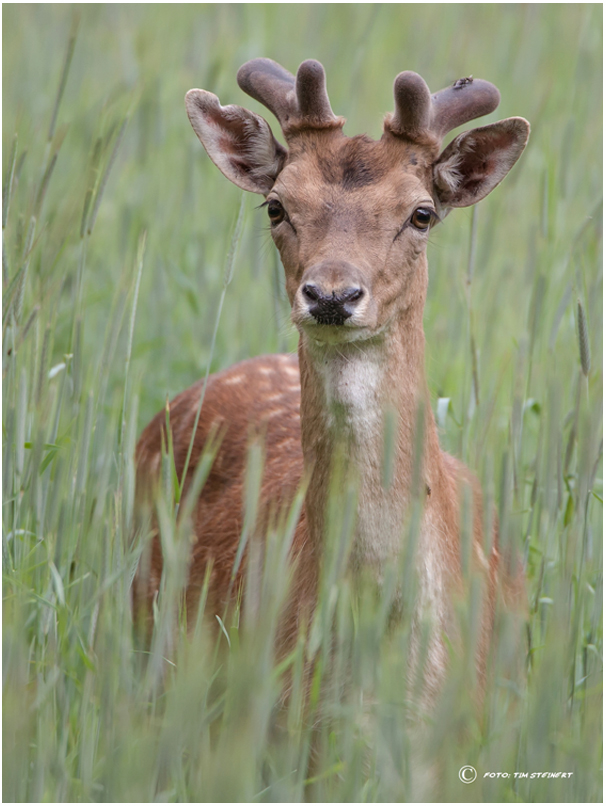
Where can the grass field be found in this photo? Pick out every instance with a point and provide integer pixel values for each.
(116, 235)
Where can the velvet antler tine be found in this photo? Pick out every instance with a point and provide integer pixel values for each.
(465, 100)
(269, 83)
(413, 106)
(311, 93)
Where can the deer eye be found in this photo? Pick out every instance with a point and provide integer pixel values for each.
(275, 211)
(421, 218)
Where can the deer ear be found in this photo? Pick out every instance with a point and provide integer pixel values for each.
(476, 161)
(239, 142)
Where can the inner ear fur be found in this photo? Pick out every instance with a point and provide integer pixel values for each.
(476, 161)
(240, 143)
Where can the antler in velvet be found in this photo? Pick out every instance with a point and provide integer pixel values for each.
(298, 103)
(420, 116)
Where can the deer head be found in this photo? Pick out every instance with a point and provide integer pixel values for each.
(351, 216)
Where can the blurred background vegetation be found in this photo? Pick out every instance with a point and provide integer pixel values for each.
(116, 232)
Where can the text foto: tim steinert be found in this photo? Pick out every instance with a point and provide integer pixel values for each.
(528, 774)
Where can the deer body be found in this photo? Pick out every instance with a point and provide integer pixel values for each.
(350, 218)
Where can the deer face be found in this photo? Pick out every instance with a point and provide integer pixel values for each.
(351, 219)
(351, 216)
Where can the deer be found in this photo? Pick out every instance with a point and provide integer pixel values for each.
(350, 217)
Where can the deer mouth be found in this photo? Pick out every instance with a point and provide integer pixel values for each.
(333, 332)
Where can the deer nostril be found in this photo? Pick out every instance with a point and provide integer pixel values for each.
(352, 294)
(312, 292)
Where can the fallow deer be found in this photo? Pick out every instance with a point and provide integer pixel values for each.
(350, 218)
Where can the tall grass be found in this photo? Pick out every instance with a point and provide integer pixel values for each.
(117, 231)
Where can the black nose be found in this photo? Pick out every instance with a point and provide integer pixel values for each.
(333, 308)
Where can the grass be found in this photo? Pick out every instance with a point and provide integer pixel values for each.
(117, 251)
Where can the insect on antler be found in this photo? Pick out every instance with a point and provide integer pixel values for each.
(298, 103)
(420, 116)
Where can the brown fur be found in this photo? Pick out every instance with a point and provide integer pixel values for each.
(262, 396)
(265, 401)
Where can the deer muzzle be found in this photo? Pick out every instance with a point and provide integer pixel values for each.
(331, 292)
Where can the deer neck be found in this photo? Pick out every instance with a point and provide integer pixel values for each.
(356, 398)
